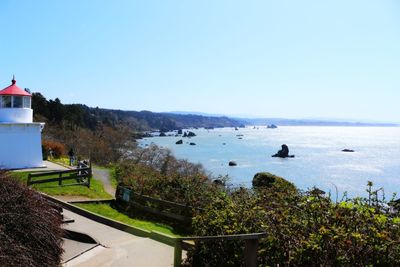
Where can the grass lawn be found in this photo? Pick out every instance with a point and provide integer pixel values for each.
(96, 190)
(107, 211)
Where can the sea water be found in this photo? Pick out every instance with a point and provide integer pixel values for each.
(319, 160)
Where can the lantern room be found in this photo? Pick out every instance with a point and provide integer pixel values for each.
(15, 104)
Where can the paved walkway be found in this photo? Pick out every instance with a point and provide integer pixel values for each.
(48, 166)
(103, 175)
(117, 248)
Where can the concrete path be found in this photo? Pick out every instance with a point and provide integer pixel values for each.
(117, 248)
(48, 166)
(103, 175)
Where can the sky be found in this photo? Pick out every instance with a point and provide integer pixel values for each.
(286, 59)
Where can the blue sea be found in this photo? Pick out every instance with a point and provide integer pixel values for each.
(318, 160)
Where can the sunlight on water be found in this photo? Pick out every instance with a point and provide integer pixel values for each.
(319, 160)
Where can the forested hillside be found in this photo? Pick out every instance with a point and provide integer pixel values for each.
(87, 117)
(105, 134)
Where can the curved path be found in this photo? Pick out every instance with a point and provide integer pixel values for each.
(103, 175)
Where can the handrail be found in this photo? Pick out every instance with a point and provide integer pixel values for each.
(225, 237)
(250, 250)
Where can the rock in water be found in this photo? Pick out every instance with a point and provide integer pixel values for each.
(162, 134)
(272, 126)
(192, 144)
(191, 134)
(347, 150)
(180, 131)
(232, 163)
(179, 142)
(283, 153)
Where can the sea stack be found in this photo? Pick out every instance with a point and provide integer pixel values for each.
(283, 153)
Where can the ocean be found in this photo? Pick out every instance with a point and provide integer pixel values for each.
(319, 160)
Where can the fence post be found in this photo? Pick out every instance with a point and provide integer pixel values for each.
(60, 180)
(178, 253)
(250, 253)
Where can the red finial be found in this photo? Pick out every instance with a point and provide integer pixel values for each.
(13, 81)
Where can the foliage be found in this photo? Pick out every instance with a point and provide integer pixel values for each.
(107, 211)
(30, 232)
(302, 230)
(233, 213)
(266, 179)
(155, 172)
(53, 148)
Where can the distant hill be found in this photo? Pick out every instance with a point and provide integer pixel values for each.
(310, 122)
(80, 115)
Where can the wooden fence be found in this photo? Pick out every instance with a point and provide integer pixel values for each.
(168, 209)
(81, 175)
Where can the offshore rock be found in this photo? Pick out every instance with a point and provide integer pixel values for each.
(179, 142)
(232, 163)
(283, 153)
(191, 134)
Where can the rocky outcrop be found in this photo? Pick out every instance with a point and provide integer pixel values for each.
(189, 134)
(180, 131)
(272, 126)
(283, 153)
(269, 180)
(162, 134)
(179, 142)
(232, 163)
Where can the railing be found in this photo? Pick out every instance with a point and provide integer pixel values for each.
(81, 174)
(250, 250)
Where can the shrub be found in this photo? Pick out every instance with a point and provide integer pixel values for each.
(301, 230)
(57, 149)
(30, 232)
(266, 179)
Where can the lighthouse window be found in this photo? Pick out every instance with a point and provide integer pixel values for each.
(5, 101)
(27, 102)
(17, 103)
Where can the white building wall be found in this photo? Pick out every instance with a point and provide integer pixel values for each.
(20, 145)
(17, 115)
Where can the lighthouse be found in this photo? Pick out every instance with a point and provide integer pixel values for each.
(20, 137)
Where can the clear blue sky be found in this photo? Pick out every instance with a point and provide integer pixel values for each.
(294, 59)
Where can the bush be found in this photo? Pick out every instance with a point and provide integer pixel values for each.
(301, 230)
(30, 232)
(57, 149)
(266, 179)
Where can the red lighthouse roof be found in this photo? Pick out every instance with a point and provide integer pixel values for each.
(13, 89)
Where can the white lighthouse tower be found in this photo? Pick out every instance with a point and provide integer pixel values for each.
(20, 137)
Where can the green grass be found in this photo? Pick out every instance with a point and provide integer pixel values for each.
(96, 190)
(62, 160)
(107, 211)
(113, 177)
